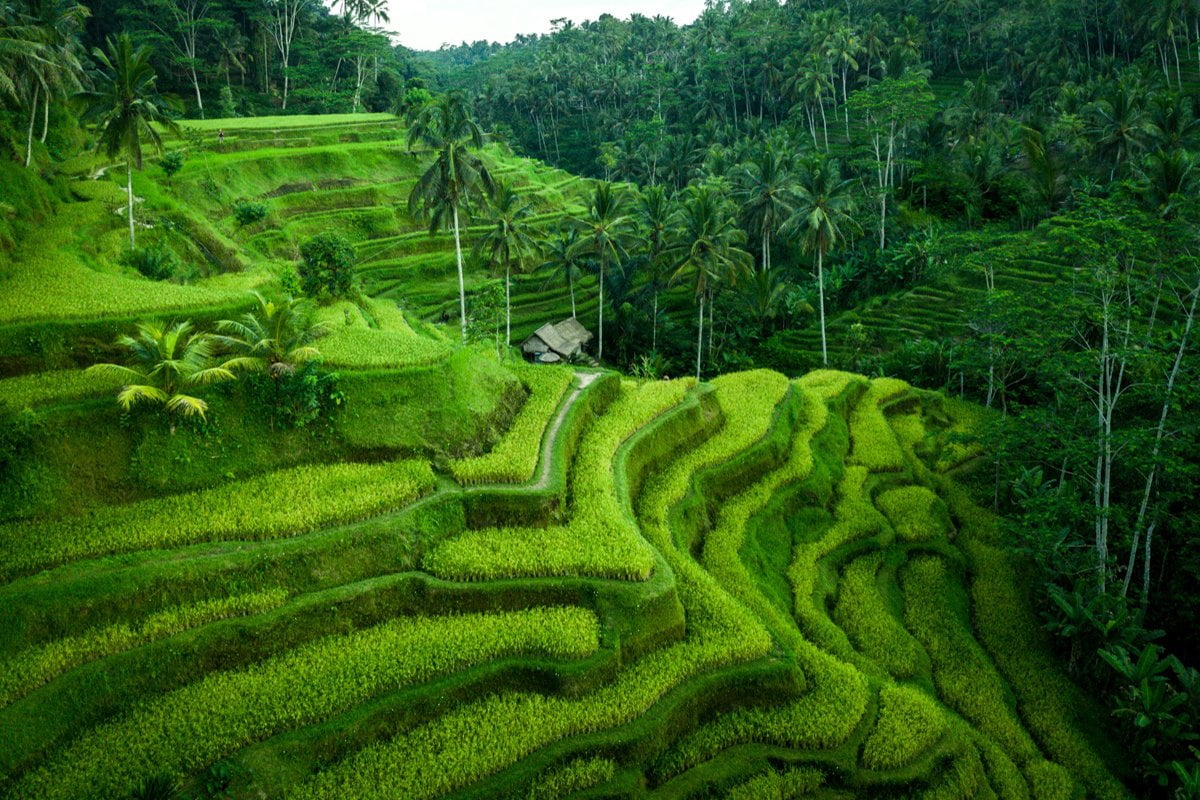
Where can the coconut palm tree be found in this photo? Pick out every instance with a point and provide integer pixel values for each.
(509, 240)
(764, 189)
(58, 24)
(656, 209)
(824, 202)
(166, 362)
(605, 232)
(706, 246)
(275, 338)
(23, 50)
(124, 105)
(563, 258)
(455, 178)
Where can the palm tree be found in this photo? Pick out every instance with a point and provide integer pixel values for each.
(275, 338)
(23, 50)
(656, 209)
(824, 201)
(1166, 176)
(605, 232)
(456, 176)
(564, 258)
(765, 191)
(166, 362)
(125, 105)
(1119, 125)
(509, 240)
(707, 246)
(58, 23)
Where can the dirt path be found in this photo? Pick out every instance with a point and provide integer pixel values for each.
(584, 380)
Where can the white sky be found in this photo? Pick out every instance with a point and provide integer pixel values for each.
(427, 24)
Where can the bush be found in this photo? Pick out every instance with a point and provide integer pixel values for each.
(327, 271)
(246, 212)
(171, 163)
(157, 262)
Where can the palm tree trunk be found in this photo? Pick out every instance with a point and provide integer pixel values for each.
(699, 335)
(507, 308)
(196, 85)
(129, 188)
(462, 288)
(821, 298)
(33, 104)
(45, 116)
(600, 339)
(571, 286)
(654, 326)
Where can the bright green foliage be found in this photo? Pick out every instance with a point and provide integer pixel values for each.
(873, 443)
(184, 730)
(375, 336)
(962, 671)
(61, 386)
(863, 612)
(515, 457)
(909, 722)
(582, 773)
(773, 785)
(916, 513)
(47, 281)
(283, 503)
(30, 668)
(601, 539)
(327, 268)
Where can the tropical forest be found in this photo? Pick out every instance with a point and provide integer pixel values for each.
(789, 399)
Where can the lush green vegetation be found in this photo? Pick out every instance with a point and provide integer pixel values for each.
(284, 514)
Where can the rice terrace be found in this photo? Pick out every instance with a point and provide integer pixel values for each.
(800, 401)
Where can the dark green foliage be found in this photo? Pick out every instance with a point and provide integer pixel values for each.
(159, 787)
(246, 212)
(296, 397)
(171, 163)
(157, 261)
(327, 271)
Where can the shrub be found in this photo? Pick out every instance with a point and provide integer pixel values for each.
(185, 729)
(246, 212)
(909, 723)
(279, 504)
(327, 271)
(171, 163)
(156, 262)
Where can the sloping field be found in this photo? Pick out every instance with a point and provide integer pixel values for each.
(757, 587)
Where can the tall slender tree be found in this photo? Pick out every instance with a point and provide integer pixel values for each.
(563, 258)
(606, 231)
(509, 241)
(454, 179)
(765, 190)
(126, 106)
(824, 202)
(706, 247)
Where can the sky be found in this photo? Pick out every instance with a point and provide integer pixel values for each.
(427, 24)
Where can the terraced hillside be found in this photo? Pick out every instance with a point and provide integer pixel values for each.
(354, 177)
(758, 587)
